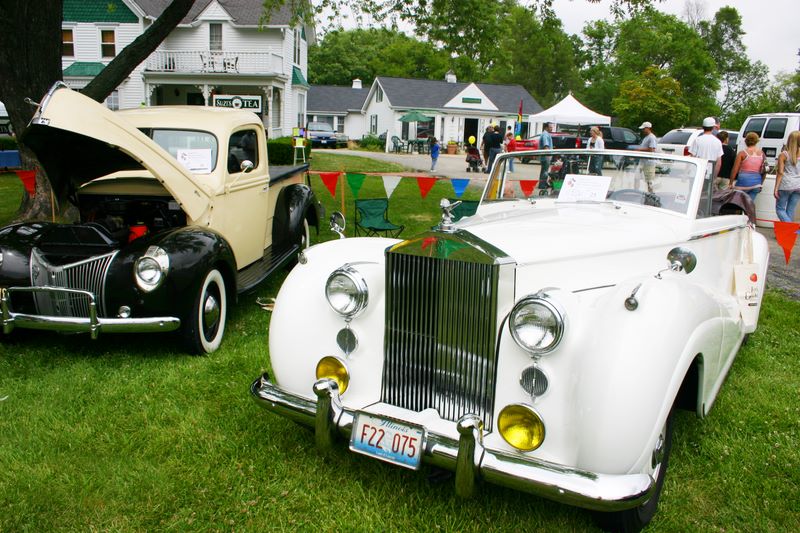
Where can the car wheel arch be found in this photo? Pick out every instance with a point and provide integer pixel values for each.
(295, 204)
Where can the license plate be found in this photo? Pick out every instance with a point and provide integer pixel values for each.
(394, 442)
(323, 141)
(770, 152)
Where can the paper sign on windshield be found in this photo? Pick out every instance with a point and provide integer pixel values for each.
(196, 160)
(577, 188)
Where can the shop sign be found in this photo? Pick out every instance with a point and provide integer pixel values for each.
(238, 101)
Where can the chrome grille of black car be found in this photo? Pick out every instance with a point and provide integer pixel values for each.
(441, 326)
(88, 275)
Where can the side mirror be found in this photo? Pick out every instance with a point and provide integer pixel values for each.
(338, 223)
(681, 260)
(246, 166)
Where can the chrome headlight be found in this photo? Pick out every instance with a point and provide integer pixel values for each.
(537, 324)
(346, 291)
(151, 269)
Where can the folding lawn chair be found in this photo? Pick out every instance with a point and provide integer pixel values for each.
(372, 218)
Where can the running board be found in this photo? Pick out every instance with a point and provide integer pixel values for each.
(249, 277)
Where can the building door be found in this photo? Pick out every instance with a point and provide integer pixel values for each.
(470, 129)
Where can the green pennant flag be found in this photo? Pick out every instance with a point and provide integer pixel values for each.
(355, 181)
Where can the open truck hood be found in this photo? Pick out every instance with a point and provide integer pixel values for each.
(78, 140)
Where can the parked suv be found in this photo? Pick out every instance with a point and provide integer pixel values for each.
(773, 129)
(677, 141)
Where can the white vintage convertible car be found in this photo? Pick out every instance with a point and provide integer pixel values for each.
(541, 344)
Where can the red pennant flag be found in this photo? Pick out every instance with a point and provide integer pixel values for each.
(28, 179)
(428, 241)
(786, 235)
(425, 185)
(528, 186)
(330, 179)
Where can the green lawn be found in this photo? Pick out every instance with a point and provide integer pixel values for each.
(11, 191)
(127, 433)
(330, 161)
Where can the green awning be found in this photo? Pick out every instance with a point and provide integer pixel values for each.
(83, 69)
(298, 78)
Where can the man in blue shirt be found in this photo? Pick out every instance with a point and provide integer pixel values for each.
(545, 143)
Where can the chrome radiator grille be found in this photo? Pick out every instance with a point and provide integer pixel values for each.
(88, 275)
(441, 326)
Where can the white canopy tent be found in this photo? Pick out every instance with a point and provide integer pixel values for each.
(570, 111)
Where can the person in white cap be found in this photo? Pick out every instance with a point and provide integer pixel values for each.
(648, 144)
(707, 146)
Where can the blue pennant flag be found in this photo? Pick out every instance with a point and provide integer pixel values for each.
(459, 186)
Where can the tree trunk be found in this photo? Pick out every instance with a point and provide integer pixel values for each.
(30, 61)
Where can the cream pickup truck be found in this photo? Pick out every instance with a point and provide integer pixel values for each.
(179, 213)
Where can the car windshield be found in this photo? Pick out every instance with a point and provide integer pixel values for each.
(320, 126)
(195, 150)
(588, 176)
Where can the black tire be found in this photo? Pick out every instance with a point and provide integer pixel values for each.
(205, 326)
(633, 520)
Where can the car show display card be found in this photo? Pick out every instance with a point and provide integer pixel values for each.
(579, 188)
(196, 160)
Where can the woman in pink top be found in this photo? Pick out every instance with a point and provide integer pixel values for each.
(748, 167)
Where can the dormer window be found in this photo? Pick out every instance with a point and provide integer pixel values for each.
(215, 36)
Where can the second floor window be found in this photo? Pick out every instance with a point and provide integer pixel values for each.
(379, 94)
(215, 36)
(67, 43)
(108, 46)
(298, 37)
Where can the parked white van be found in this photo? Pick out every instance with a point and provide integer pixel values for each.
(773, 129)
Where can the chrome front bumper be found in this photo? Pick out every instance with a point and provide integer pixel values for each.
(466, 456)
(92, 324)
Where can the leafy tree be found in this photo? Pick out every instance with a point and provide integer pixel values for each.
(742, 81)
(342, 56)
(654, 96)
(536, 54)
(596, 56)
(782, 95)
(652, 38)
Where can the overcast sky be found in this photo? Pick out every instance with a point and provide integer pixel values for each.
(772, 27)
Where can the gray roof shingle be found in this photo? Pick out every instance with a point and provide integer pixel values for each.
(244, 12)
(434, 94)
(335, 98)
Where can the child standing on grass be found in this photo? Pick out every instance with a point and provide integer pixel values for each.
(434, 153)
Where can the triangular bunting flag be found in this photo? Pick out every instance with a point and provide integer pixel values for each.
(390, 184)
(528, 186)
(425, 184)
(28, 179)
(330, 179)
(459, 186)
(355, 181)
(786, 235)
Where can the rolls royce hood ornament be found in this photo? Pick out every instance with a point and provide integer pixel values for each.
(446, 225)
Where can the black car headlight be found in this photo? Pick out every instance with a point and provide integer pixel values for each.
(537, 323)
(151, 269)
(346, 291)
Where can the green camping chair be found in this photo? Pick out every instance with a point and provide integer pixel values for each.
(372, 218)
(466, 208)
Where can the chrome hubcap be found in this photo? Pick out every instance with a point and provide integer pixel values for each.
(210, 311)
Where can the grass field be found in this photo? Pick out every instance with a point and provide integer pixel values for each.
(127, 433)
(10, 196)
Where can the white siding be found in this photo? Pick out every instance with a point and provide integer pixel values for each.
(388, 120)
(355, 126)
(214, 12)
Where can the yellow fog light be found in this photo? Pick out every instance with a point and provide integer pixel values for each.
(334, 368)
(521, 427)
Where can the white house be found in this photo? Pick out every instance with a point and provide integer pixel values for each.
(218, 55)
(458, 110)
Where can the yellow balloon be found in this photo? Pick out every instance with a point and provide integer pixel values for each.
(519, 138)
(471, 139)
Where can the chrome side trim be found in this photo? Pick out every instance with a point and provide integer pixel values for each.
(715, 233)
(467, 456)
(92, 324)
